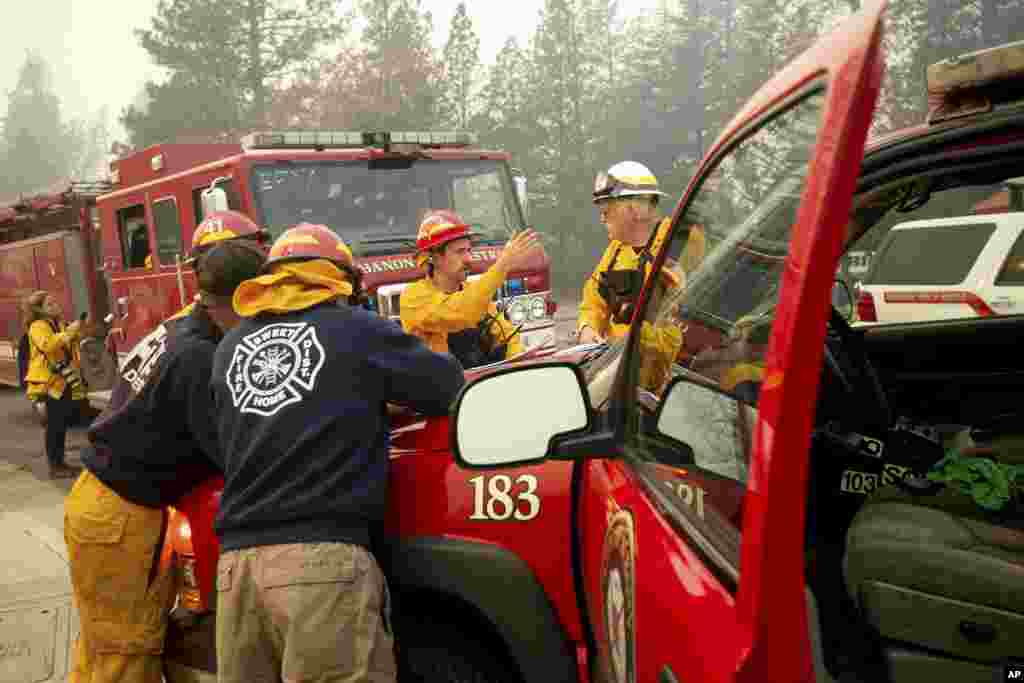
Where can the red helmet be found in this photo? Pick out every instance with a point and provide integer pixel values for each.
(440, 227)
(307, 241)
(224, 225)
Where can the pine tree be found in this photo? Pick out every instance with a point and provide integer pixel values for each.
(505, 120)
(457, 91)
(402, 71)
(185, 108)
(36, 145)
(235, 46)
(662, 93)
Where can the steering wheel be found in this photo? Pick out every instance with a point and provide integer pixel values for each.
(848, 362)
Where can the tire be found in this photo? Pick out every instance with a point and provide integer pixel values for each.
(443, 652)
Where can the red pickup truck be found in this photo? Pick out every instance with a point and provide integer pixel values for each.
(760, 513)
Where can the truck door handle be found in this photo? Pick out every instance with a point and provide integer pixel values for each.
(667, 675)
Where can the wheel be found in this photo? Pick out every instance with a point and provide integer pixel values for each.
(445, 653)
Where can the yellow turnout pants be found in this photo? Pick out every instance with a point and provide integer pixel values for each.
(122, 601)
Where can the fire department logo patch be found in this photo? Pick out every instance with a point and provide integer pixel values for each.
(618, 572)
(274, 367)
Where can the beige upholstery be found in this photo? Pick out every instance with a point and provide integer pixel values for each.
(936, 579)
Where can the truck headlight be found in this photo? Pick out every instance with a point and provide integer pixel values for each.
(517, 312)
(538, 308)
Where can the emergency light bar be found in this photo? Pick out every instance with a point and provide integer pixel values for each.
(351, 139)
(959, 86)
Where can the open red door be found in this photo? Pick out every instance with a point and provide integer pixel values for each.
(692, 544)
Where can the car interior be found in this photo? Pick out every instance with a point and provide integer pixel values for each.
(914, 580)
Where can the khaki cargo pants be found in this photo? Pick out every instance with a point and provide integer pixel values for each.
(303, 613)
(112, 546)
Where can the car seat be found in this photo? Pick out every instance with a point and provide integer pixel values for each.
(941, 580)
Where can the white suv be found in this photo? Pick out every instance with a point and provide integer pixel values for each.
(974, 268)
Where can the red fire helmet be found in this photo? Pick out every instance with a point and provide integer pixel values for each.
(440, 227)
(308, 241)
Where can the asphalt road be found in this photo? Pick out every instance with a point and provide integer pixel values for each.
(21, 437)
(37, 620)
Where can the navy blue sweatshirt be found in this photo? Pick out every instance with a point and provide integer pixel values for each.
(300, 404)
(156, 441)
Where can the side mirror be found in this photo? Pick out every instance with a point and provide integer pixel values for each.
(511, 417)
(842, 299)
(520, 183)
(214, 199)
(707, 426)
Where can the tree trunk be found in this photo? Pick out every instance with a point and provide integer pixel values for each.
(991, 32)
(256, 15)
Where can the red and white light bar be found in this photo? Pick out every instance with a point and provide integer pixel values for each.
(968, 298)
(957, 86)
(324, 139)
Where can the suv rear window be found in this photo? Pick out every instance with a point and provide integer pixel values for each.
(1013, 270)
(939, 255)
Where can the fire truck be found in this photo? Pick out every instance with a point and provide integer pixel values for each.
(372, 188)
(50, 241)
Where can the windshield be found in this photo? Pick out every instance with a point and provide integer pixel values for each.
(377, 201)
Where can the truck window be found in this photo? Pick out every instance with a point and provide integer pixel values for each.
(131, 222)
(1013, 270)
(477, 198)
(952, 251)
(234, 203)
(375, 201)
(168, 229)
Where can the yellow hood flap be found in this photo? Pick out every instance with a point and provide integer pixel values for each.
(291, 287)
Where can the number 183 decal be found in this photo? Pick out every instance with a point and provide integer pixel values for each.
(499, 498)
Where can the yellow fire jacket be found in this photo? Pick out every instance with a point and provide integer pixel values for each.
(659, 346)
(46, 347)
(594, 311)
(432, 314)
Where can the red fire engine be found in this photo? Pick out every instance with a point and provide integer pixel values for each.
(371, 188)
(51, 242)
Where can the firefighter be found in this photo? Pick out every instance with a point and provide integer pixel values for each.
(451, 314)
(150, 447)
(301, 388)
(54, 377)
(627, 196)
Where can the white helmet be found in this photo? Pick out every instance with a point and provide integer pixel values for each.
(625, 179)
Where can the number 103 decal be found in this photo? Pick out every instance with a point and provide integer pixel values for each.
(499, 498)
